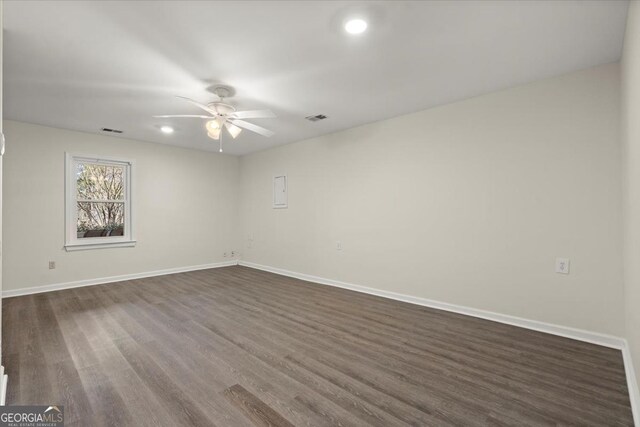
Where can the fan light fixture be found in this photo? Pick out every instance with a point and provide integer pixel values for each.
(213, 129)
(234, 130)
(356, 26)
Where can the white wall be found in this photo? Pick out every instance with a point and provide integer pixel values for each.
(185, 204)
(469, 203)
(631, 179)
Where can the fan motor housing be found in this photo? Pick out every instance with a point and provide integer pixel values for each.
(222, 108)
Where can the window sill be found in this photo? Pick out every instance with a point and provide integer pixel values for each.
(70, 247)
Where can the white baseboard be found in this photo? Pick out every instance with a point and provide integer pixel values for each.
(549, 328)
(112, 279)
(3, 386)
(632, 383)
(3, 390)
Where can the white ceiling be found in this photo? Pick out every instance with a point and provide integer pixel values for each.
(88, 65)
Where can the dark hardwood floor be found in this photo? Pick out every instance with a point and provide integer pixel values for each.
(238, 347)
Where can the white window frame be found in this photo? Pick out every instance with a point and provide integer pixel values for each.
(72, 242)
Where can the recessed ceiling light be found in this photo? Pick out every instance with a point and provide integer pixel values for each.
(166, 129)
(355, 26)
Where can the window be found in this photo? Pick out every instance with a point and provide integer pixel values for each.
(98, 203)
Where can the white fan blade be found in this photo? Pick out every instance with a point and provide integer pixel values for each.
(254, 114)
(253, 128)
(184, 115)
(197, 104)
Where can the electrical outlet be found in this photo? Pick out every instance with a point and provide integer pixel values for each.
(233, 254)
(226, 254)
(52, 265)
(562, 265)
(339, 245)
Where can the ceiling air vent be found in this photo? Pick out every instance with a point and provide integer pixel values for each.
(316, 118)
(110, 130)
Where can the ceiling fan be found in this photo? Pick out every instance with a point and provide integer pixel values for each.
(224, 116)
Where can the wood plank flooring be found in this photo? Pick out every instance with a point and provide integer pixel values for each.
(240, 347)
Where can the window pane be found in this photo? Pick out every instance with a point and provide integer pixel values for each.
(100, 219)
(99, 182)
